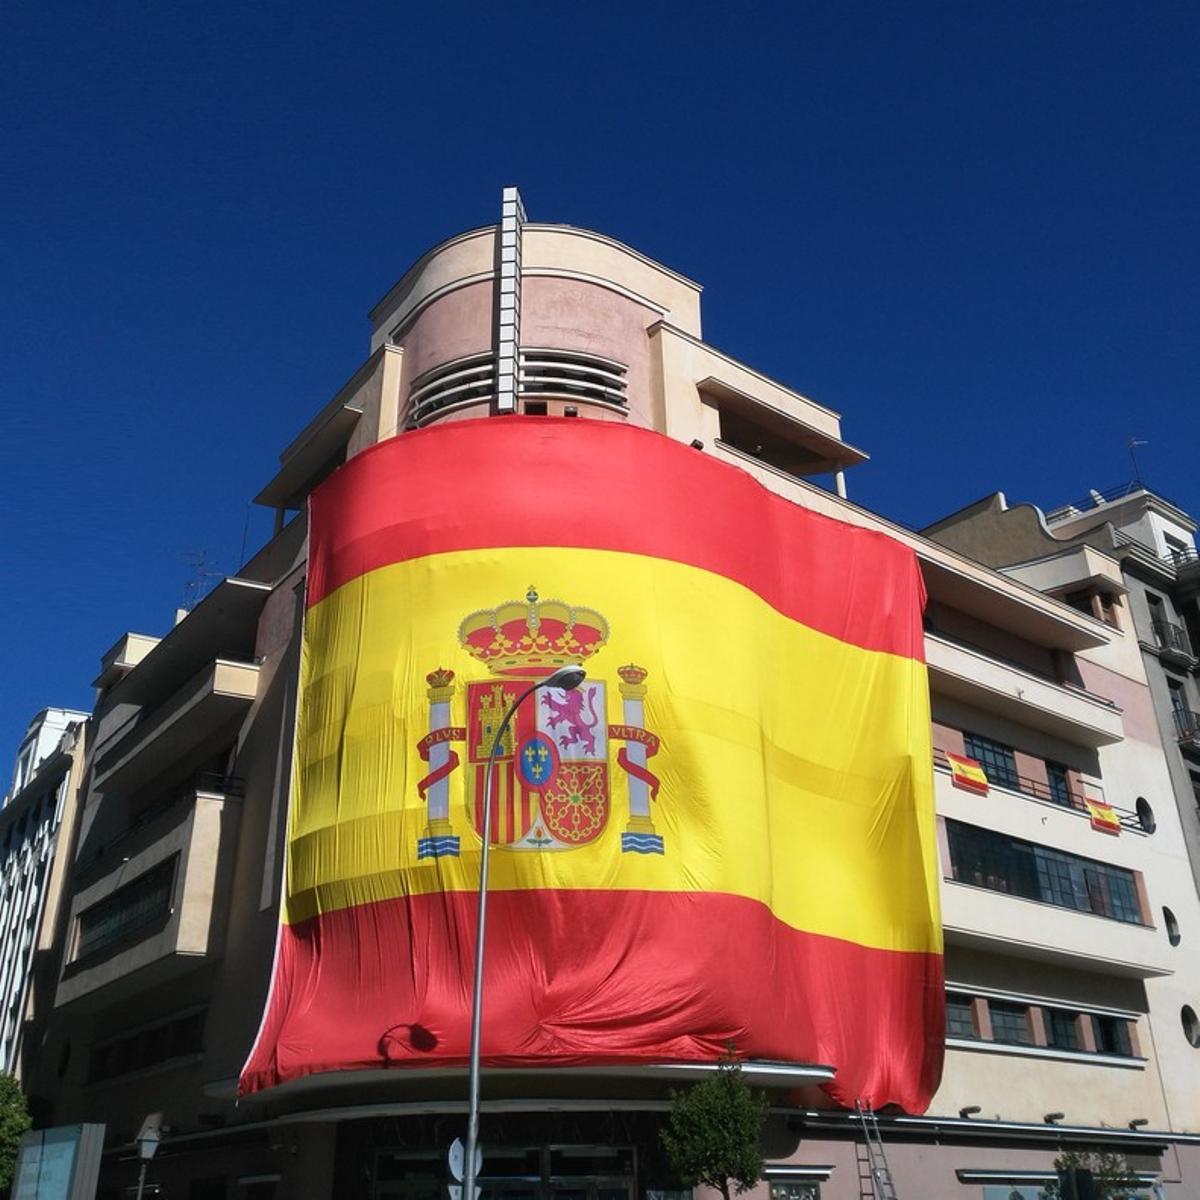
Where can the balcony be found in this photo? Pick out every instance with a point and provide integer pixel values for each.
(1187, 728)
(999, 923)
(208, 704)
(978, 678)
(153, 900)
(223, 625)
(96, 853)
(1042, 886)
(1065, 797)
(1172, 643)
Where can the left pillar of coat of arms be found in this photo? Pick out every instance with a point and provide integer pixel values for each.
(438, 840)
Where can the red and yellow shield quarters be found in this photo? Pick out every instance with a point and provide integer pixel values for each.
(550, 783)
(727, 831)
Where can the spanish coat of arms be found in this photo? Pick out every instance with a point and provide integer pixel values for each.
(551, 789)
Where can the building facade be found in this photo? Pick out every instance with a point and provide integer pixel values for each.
(37, 827)
(1157, 598)
(1067, 986)
(40, 741)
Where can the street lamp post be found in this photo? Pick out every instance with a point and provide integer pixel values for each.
(147, 1144)
(567, 678)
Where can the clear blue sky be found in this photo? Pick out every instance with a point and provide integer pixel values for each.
(971, 228)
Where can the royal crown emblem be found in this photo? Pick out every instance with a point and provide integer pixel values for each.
(551, 789)
(530, 639)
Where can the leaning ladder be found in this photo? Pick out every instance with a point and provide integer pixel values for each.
(882, 1187)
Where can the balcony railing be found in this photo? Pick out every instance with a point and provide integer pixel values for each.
(1187, 726)
(202, 781)
(1037, 789)
(1172, 638)
(1183, 560)
(1064, 797)
(1177, 560)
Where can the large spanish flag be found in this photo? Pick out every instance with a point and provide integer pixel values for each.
(726, 834)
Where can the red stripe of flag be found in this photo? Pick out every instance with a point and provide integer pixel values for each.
(608, 486)
(783, 990)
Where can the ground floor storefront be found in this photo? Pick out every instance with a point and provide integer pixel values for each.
(617, 1155)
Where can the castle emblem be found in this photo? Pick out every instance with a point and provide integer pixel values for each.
(552, 788)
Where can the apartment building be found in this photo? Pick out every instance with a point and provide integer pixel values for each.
(37, 825)
(1068, 905)
(1156, 598)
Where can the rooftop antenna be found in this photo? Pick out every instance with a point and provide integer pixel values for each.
(202, 579)
(1133, 444)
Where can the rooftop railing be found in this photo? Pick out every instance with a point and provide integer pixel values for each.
(1095, 498)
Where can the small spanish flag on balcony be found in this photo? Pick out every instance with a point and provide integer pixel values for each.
(967, 774)
(1104, 817)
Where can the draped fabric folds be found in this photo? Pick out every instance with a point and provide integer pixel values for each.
(725, 834)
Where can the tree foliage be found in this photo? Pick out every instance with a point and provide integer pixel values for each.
(1110, 1173)
(712, 1134)
(14, 1121)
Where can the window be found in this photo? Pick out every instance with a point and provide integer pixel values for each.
(1172, 926)
(1062, 1029)
(795, 1191)
(1177, 549)
(176, 1038)
(1108, 609)
(1187, 723)
(1010, 1022)
(1145, 815)
(1191, 1025)
(958, 1016)
(1060, 784)
(997, 759)
(1080, 600)
(1112, 1036)
(993, 860)
(128, 909)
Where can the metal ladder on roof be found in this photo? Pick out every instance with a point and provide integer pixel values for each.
(876, 1165)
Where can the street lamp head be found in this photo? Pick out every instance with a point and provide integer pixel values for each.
(147, 1143)
(566, 678)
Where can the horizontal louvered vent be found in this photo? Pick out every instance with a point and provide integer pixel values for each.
(452, 385)
(572, 375)
(563, 373)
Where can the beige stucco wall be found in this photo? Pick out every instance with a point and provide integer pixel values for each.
(587, 255)
(573, 314)
(465, 258)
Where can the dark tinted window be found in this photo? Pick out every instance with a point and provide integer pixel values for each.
(958, 1016)
(1010, 1022)
(1062, 1031)
(998, 760)
(1112, 1036)
(1005, 864)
